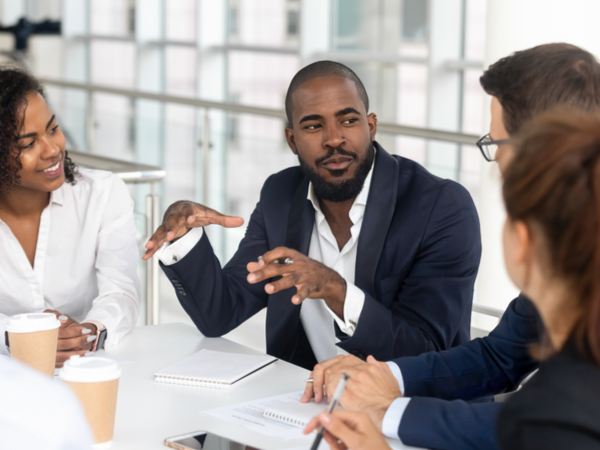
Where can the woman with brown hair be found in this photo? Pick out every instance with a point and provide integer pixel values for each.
(552, 253)
(67, 237)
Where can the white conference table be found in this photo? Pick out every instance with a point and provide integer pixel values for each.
(148, 412)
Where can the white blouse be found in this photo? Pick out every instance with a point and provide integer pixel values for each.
(86, 258)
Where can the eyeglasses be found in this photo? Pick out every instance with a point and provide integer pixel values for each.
(489, 147)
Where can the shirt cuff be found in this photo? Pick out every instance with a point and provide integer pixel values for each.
(393, 417)
(353, 305)
(397, 374)
(177, 250)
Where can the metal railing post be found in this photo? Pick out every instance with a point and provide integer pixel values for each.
(152, 274)
(90, 123)
(206, 159)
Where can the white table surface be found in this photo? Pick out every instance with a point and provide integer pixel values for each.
(148, 412)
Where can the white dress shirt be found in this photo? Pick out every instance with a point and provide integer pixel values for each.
(85, 261)
(38, 413)
(393, 415)
(316, 317)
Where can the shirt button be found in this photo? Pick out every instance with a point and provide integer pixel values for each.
(37, 291)
(175, 258)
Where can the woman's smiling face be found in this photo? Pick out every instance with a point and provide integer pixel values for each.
(42, 147)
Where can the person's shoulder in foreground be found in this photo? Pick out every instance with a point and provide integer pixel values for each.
(38, 413)
(558, 408)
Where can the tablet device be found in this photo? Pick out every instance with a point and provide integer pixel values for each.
(201, 440)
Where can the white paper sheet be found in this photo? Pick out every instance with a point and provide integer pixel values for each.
(250, 415)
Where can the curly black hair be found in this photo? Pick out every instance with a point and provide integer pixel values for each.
(15, 85)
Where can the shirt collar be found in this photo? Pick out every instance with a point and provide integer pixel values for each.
(361, 198)
(58, 196)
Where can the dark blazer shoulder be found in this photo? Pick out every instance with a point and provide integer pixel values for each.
(277, 194)
(559, 404)
(283, 182)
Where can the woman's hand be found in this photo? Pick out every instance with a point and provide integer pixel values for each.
(347, 429)
(73, 338)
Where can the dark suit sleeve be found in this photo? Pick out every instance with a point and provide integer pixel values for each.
(216, 299)
(486, 366)
(432, 309)
(456, 425)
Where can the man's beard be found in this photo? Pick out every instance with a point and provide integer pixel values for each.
(341, 191)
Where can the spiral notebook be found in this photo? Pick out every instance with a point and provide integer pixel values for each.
(216, 370)
(295, 413)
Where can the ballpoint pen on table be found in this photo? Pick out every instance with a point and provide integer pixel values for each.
(334, 401)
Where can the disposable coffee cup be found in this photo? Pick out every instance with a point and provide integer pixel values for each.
(33, 339)
(95, 381)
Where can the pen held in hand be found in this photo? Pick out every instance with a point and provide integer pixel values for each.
(334, 401)
(286, 261)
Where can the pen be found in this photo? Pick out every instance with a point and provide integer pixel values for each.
(286, 261)
(334, 401)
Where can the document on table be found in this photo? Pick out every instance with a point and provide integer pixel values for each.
(250, 415)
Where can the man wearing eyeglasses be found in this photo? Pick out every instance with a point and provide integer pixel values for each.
(424, 400)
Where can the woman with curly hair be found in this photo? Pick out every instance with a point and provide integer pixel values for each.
(67, 237)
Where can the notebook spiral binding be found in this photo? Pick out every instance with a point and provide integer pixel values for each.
(189, 381)
(286, 419)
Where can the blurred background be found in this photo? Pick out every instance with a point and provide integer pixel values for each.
(189, 93)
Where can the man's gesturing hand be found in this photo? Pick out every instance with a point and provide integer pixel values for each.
(180, 217)
(311, 278)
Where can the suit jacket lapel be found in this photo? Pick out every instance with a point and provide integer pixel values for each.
(283, 317)
(301, 220)
(377, 219)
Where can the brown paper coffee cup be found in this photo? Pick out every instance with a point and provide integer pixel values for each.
(33, 339)
(95, 381)
(99, 401)
(37, 349)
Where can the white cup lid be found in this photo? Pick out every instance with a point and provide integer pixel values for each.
(29, 323)
(91, 369)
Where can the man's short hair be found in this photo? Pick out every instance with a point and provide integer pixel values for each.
(541, 78)
(322, 69)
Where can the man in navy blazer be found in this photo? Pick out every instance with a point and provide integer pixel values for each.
(384, 252)
(427, 400)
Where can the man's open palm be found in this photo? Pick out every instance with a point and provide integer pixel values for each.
(180, 217)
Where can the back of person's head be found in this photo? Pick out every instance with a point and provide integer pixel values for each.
(553, 185)
(542, 78)
(323, 69)
(15, 85)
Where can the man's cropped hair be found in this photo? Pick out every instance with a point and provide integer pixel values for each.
(532, 81)
(322, 69)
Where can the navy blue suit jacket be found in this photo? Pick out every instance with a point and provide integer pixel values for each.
(417, 258)
(482, 367)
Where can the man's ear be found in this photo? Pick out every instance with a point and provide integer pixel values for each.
(289, 137)
(372, 122)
